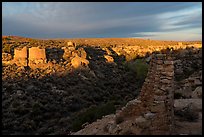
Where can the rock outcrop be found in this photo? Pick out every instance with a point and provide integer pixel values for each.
(78, 62)
(109, 58)
(67, 52)
(71, 44)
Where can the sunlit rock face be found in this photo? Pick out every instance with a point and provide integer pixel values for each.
(69, 43)
(78, 62)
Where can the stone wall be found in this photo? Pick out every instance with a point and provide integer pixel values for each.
(20, 56)
(35, 53)
(27, 57)
(154, 106)
(157, 94)
(36, 56)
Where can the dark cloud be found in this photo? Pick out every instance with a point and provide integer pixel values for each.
(95, 19)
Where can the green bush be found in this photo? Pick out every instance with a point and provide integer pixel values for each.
(8, 38)
(92, 114)
(139, 67)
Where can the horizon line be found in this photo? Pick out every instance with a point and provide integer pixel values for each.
(97, 38)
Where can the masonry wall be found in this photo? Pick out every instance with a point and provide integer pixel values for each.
(157, 94)
(20, 56)
(154, 106)
(36, 53)
(37, 57)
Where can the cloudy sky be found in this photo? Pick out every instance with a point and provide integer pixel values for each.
(153, 20)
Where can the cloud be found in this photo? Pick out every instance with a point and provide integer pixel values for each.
(95, 19)
(182, 35)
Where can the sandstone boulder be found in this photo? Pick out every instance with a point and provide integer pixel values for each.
(186, 91)
(182, 103)
(107, 51)
(188, 112)
(78, 62)
(142, 122)
(109, 58)
(197, 93)
(70, 44)
(67, 54)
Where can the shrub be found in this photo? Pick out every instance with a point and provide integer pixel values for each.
(8, 38)
(139, 67)
(91, 115)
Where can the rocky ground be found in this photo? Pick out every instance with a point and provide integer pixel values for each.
(187, 103)
(48, 101)
(60, 99)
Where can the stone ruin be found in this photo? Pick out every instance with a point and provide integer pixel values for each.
(32, 57)
(20, 56)
(152, 113)
(77, 57)
(68, 52)
(154, 106)
(36, 56)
